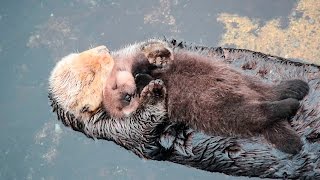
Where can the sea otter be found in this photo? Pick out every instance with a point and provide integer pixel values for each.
(128, 77)
(233, 156)
(211, 96)
(76, 86)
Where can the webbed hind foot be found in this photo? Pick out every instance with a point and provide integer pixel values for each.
(281, 109)
(296, 89)
(284, 137)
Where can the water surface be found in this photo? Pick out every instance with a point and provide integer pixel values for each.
(35, 34)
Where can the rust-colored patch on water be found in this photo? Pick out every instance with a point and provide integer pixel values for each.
(161, 14)
(299, 40)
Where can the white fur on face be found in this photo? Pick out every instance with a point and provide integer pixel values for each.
(76, 82)
(60, 81)
(125, 78)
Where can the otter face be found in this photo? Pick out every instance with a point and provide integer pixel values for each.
(77, 81)
(120, 97)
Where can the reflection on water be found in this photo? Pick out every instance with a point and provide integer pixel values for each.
(35, 34)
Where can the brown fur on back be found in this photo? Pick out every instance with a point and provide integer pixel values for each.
(212, 97)
(208, 94)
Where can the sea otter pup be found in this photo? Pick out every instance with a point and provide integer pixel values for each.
(129, 75)
(216, 99)
(76, 86)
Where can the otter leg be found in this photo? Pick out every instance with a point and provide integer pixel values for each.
(258, 116)
(158, 53)
(154, 92)
(284, 137)
(296, 89)
(280, 109)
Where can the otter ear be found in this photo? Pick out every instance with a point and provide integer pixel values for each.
(157, 52)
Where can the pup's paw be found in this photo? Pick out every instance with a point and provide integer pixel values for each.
(158, 53)
(154, 91)
(296, 89)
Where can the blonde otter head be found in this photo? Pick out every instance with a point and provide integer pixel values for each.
(120, 98)
(76, 83)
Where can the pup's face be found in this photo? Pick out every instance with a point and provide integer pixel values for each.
(120, 96)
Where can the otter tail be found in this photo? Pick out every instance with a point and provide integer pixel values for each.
(283, 137)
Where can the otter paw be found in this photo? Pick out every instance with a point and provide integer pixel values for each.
(296, 89)
(179, 138)
(159, 90)
(155, 90)
(158, 53)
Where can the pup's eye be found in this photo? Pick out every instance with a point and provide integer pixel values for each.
(127, 97)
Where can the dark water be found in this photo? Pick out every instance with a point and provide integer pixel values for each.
(34, 34)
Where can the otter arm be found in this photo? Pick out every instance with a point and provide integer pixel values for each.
(233, 156)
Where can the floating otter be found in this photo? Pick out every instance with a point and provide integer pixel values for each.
(76, 90)
(214, 98)
(229, 155)
(120, 97)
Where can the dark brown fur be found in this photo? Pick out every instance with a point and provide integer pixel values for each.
(214, 98)
(121, 94)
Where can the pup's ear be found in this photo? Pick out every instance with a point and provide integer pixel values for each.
(157, 52)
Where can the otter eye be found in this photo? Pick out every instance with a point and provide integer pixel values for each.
(127, 97)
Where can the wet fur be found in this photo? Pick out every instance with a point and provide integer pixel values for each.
(217, 154)
(218, 100)
(130, 63)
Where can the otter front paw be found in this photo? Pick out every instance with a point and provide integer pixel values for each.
(296, 89)
(153, 92)
(158, 53)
